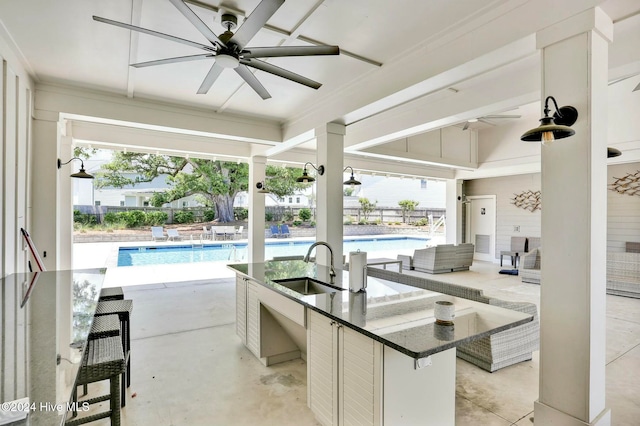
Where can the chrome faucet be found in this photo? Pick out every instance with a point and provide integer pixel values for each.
(332, 271)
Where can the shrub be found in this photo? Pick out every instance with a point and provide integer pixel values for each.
(156, 218)
(134, 218)
(111, 217)
(287, 216)
(240, 213)
(297, 223)
(209, 215)
(348, 220)
(268, 216)
(304, 214)
(183, 216)
(313, 223)
(84, 218)
(421, 222)
(362, 222)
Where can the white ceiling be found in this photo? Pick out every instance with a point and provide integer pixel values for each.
(422, 48)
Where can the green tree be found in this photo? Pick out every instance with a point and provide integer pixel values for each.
(367, 207)
(407, 206)
(216, 183)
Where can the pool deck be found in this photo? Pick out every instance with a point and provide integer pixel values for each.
(105, 255)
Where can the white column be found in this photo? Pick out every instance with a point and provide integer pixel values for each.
(453, 219)
(574, 220)
(329, 201)
(257, 166)
(65, 195)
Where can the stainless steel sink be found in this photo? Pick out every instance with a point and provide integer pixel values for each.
(307, 286)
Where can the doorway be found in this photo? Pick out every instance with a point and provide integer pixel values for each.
(481, 226)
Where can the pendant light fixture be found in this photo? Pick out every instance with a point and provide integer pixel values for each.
(305, 178)
(82, 174)
(552, 128)
(612, 152)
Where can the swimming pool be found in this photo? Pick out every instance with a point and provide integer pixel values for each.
(155, 255)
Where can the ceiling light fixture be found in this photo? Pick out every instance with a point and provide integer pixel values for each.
(351, 181)
(552, 128)
(82, 174)
(305, 178)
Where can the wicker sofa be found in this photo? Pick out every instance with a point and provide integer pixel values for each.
(530, 266)
(489, 353)
(440, 259)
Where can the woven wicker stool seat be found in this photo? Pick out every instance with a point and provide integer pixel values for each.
(103, 360)
(105, 326)
(123, 309)
(111, 293)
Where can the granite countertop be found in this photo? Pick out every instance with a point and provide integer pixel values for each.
(45, 318)
(397, 315)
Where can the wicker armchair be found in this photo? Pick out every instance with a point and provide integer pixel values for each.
(530, 266)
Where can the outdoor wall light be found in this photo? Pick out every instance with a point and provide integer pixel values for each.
(262, 187)
(552, 128)
(612, 152)
(305, 178)
(352, 181)
(82, 174)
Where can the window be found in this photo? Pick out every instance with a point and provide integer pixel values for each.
(97, 203)
(121, 203)
(145, 204)
(290, 200)
(297, 200)
(185, 204)
(423, 184)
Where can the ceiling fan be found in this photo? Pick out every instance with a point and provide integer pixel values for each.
(487, 119)
(228, 49)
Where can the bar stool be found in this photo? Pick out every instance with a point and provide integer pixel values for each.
(111, 293)
(103, 360)
(123, 309)
(101, 327)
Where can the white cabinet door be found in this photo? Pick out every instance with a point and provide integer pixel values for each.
(360, 374)
(241, 308)
(253, 318)
(344, 374)
(322, 392)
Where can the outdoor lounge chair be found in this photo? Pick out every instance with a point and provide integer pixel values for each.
(238, 232)
(173, 235)
(219, 232)
(207, 233)
(275, 231)
(157, 233)
(284, 231)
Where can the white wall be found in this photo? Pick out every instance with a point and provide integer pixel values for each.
(623, 222)
(15, 129)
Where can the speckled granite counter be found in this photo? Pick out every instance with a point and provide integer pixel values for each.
(397, 315)
(45, 319)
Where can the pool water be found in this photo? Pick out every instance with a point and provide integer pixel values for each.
(157, 255)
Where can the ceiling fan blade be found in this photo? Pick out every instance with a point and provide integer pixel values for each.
(252, 81)
(272, 52)
(154, 33)
(196, 21)
(637, 88)
(482, 120)
(210, 78)
(280, 72)
(172, 60)
(466, 126)
(255, 21)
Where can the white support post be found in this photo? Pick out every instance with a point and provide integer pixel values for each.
(453, 218)
(257, 166)
(330, 143)
(574, 220)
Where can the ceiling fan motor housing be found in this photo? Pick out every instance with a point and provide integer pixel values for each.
(229, 21)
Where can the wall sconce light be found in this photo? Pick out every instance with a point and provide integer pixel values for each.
(305, 178)
(262, 187)
(552, 128)
(82, 174)
(352, 181)
(612, 152)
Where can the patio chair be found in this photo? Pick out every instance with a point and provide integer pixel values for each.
(238, 232)
(275, 231)
(218, 232)
(157, 233)
(173, 235)
(284, 231)
(518, 247)
(207, 233)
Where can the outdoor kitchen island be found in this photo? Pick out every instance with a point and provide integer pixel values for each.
(373, 357)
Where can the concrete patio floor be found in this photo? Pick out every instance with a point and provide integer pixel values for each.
(189, 367)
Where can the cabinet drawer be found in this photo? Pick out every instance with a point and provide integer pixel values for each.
(287, 307)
